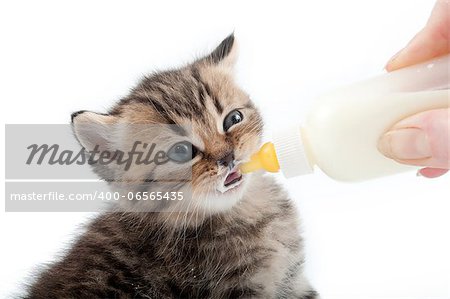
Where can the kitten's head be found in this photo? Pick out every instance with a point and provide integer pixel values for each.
(212, 126)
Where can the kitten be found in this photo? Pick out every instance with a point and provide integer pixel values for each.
(242, 238)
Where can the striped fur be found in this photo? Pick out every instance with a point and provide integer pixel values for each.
(250, 249)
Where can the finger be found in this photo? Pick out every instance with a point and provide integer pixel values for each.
(431, 172)
(422, 139)
(432, 41)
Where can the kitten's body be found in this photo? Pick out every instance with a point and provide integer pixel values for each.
(252, 251)
(241, 242)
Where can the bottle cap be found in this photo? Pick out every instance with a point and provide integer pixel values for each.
(291, 152)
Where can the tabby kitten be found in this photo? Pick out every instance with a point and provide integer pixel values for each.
(240, 241)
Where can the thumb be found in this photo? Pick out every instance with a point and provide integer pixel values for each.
(432, 41)
(422, 139)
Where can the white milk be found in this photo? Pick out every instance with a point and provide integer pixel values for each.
(341, 132)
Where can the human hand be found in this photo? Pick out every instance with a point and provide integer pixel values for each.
(423, 139)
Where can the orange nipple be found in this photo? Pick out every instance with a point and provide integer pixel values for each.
(265, 158)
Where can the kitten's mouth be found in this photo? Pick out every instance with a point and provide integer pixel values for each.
(231, 181)
(233, 177)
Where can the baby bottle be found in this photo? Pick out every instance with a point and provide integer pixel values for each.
(341, 132)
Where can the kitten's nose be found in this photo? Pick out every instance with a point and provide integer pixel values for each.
(227, 160)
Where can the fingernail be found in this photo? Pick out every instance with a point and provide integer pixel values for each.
(393, 58)
(405, 144)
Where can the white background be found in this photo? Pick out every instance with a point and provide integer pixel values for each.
(387, 238)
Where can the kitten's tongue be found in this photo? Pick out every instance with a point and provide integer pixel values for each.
(232, 177)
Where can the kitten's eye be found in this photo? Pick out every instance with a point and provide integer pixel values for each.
(182, 152)
(231, 119)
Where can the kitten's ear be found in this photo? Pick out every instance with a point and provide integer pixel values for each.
(225, 54)
(93, 129)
